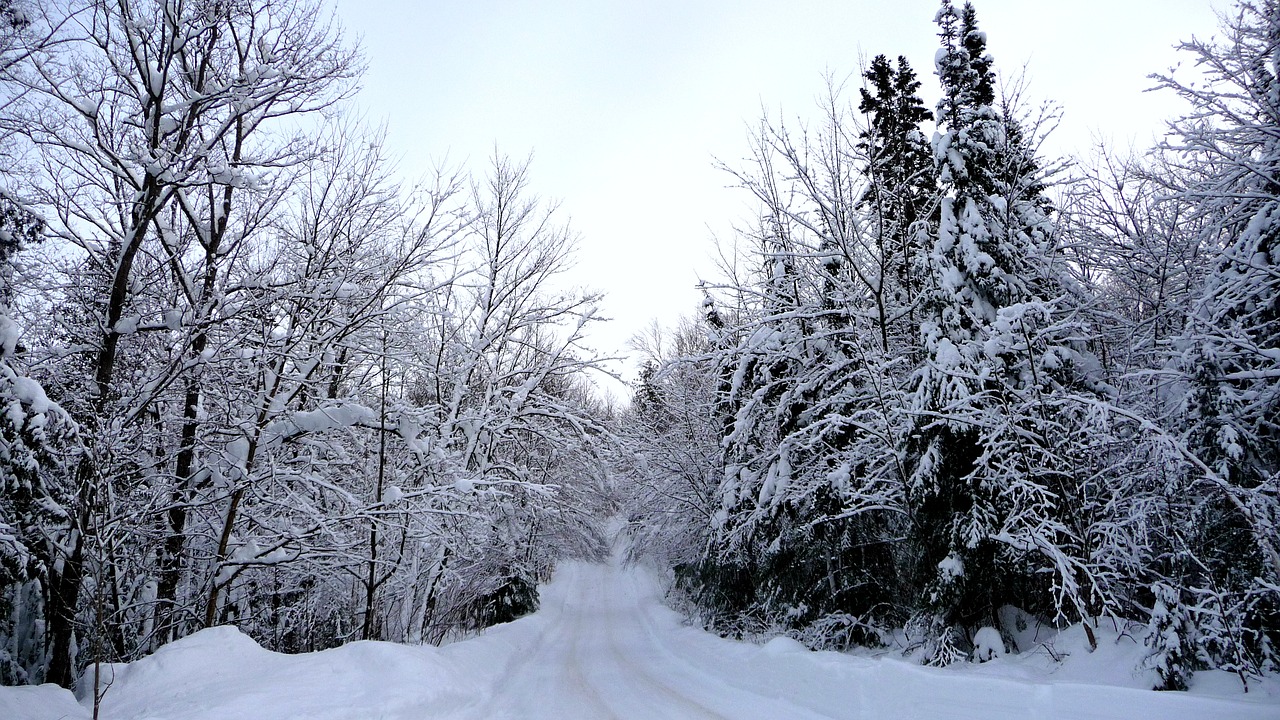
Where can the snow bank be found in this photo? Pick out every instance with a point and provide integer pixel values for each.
(222, 674)
(39, 702)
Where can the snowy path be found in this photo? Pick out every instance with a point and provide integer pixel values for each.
(602, 656)
(604, 646)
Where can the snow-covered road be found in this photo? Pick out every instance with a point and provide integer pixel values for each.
(602, 655)
(604, 646)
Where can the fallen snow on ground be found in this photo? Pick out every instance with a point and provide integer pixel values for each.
(603, 646)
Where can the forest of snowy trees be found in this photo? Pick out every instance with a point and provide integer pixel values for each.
(248, 375)
(945, 382)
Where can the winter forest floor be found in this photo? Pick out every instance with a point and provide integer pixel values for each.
(604, 646)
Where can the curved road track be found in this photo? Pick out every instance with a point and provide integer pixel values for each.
(602, 657)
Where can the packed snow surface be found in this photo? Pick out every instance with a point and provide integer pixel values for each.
(604, 646)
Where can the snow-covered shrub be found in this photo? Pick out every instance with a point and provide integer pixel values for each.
(987, 644)
(933, 642)
(841, 631)
(1171, 636)
(943, 649)
(1231, 630)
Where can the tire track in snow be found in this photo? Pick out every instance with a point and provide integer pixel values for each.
(689, 706)
(712, 680)
(589, 690)
(601, 655)
(522, 691)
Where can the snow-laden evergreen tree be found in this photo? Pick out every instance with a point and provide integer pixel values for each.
(35, 437)
(1171, 639)
(992, 459)
(901, 185)
(763, 369)
(1230, 349)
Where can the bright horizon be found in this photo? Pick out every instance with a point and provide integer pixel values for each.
(626, 107)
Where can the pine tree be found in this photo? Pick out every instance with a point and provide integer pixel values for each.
(765, 367)
(901, 186)
(35, 435)
(1170, 636)
(987, 467)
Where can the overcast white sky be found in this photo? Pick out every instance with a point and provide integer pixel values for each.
(625, 105)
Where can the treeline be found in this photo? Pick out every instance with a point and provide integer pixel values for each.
(943, 379)
(246, 375)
